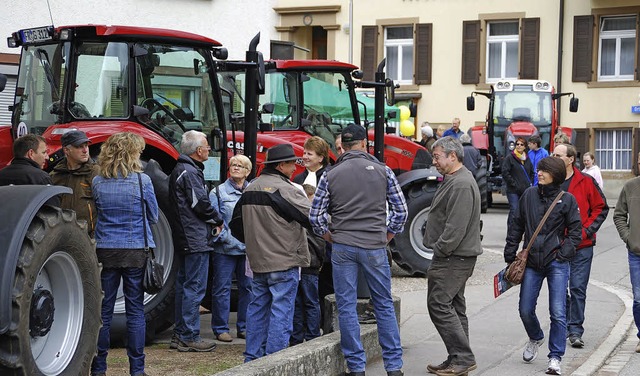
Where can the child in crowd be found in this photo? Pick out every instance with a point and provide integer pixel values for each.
(306, 319)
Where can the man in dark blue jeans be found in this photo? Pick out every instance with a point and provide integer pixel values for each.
(355, 193)
(627, 217)
(193, 221)
(270, 218)
(593, 211)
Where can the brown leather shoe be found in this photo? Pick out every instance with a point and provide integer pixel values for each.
(433, 369)
(202, 345)
(224, 337)
(456, 370)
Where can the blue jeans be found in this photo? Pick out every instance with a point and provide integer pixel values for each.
(578, 281)
(306, 318)
(634, 274)
(270, 312)
(557, 274)
(191, 285)
(514, 200)
(134, 308)
(223, 268)
(346, 261)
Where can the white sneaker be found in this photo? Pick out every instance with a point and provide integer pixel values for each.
(530, 352)
(554, 367)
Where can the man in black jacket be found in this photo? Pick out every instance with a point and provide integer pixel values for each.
(193, 221)
(30, 155)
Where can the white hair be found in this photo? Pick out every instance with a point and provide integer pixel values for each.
(427, 130)
(191, 141)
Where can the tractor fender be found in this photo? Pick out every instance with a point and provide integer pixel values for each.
(419, 176)
(20, 205)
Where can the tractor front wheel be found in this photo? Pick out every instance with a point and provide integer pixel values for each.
(56, 300)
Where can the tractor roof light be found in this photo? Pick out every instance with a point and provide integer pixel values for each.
(12, 42)
(500, 85)
(65, 34)
(507, 85)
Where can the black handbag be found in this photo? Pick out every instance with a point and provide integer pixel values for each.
(153, 278)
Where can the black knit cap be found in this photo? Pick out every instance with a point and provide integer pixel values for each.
(555, 167)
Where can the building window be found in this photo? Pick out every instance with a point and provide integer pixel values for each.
(398, 47)
(502, 50)
(617, 46)
(614, 149)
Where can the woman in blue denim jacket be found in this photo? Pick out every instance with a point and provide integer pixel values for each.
(229, 254)
(120, 241)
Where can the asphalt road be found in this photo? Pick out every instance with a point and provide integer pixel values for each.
(496, 332)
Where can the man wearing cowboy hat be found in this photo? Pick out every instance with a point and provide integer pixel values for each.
(270, 218)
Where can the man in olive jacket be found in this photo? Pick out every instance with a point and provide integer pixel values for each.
(271, 217)
(76, 171)
(453, 232)
(626, 217)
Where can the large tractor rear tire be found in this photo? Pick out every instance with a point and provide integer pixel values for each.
(407, 248)
(56, 299)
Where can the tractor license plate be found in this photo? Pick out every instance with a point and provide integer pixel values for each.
(34, 35)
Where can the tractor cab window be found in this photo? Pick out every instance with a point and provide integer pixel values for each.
(101, 81)
(327, 104)
(40, 86)
(172, 82)
(281, 89)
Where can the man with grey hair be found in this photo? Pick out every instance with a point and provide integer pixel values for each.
(472, 157)
(453, 233)
(193, 221)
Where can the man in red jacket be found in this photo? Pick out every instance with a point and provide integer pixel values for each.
(593, 211)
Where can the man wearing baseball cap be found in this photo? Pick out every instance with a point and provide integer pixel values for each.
(270, 218)
(355, 192)
(76, 171)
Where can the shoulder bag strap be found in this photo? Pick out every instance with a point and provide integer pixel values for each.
(544, 219)
(144, 218)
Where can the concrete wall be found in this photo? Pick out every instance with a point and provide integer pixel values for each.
(232, 23)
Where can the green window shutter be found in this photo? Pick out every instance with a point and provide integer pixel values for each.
(369, 52)
(582, 70)
(529, 48)
(470, 52)
(423, 52)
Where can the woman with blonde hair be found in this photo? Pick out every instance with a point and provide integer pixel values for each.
(316, 159)
(229, 255)
(126, 205)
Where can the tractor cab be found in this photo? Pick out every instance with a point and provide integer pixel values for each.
(103, 79)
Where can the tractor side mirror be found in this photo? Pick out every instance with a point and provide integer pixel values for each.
(268, 108)
(573, 104)
(471, 103)
(390, 93)
(216, 140)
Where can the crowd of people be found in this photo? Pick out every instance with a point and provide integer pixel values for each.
(289, 241)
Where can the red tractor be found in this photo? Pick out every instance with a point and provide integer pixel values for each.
(101, 80)
(305, 98)
(517, 108)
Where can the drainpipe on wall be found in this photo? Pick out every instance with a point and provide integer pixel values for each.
(350, 31)
(560, 43)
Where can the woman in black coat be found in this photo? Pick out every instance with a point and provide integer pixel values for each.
(549, 257)
(517, 172)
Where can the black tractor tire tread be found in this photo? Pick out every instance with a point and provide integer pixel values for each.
(481, 179)
(52, 230)
(414, 264)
